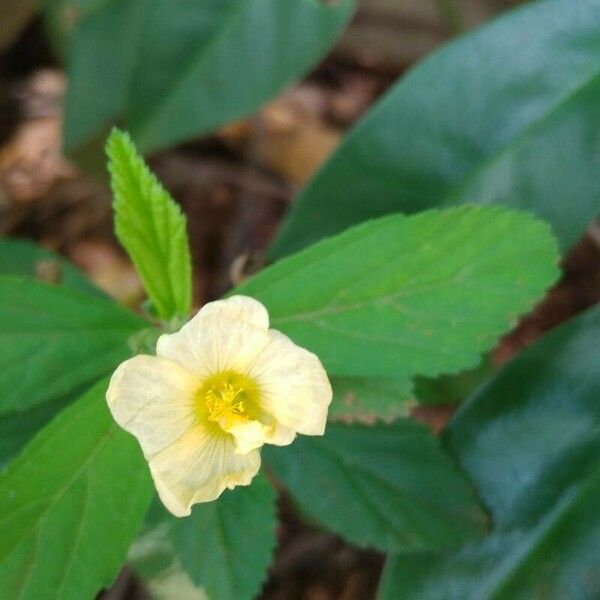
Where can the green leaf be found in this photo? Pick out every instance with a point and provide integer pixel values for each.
(227, 545)
(153, 552)
(21, 257)
(553, 560)
(151, 227)
(18, 428)
(533, 431)
(366, 400)
(70, 505)
(482, 120)
(388, 486)
(404, 296)
(54, 340)
(530, 441)
(452, 389)
(152, 557)
(178, 69)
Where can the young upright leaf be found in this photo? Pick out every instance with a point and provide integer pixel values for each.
(530, 441)
(70, 505)
(226, 545)
(54, 340)
(178, 69)
(388, 486)
(485, 119)
(404, 296)
(151, 227)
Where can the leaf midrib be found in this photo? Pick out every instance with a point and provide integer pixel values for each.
(521, 137)
(196, 61)
(553, 520)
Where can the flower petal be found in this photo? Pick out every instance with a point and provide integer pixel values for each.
(281, 435)
(294, 387)
(249, 435)
(239, 308)
(153, 399)
(224, 335)
(199, 467)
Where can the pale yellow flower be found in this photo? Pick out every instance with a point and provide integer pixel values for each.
(218, 389)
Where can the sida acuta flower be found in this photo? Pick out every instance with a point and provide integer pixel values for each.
(216, 391)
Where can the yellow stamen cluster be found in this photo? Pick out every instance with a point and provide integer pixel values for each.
(228, 398)
(222, 405)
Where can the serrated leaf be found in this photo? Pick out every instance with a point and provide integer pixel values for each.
(388, 486)
(179, 69)
(366, 400)
(54, 340)
(151, 227)
(404, 296)
(484, 119)
(21, 257)
(530, 441)
(70, 505)
(226, 546)
(452, 389)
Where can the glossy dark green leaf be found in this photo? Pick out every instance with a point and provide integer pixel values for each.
(533, 431)
(226, 546)
(21, 257)
(507, 114)
(388, 486)
(70, 505)
(530, 441)
(175, 69)
(556, 559)
(403, 296)
(53, 340)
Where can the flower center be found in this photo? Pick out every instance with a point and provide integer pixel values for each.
(224, 402)
(228, 398)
